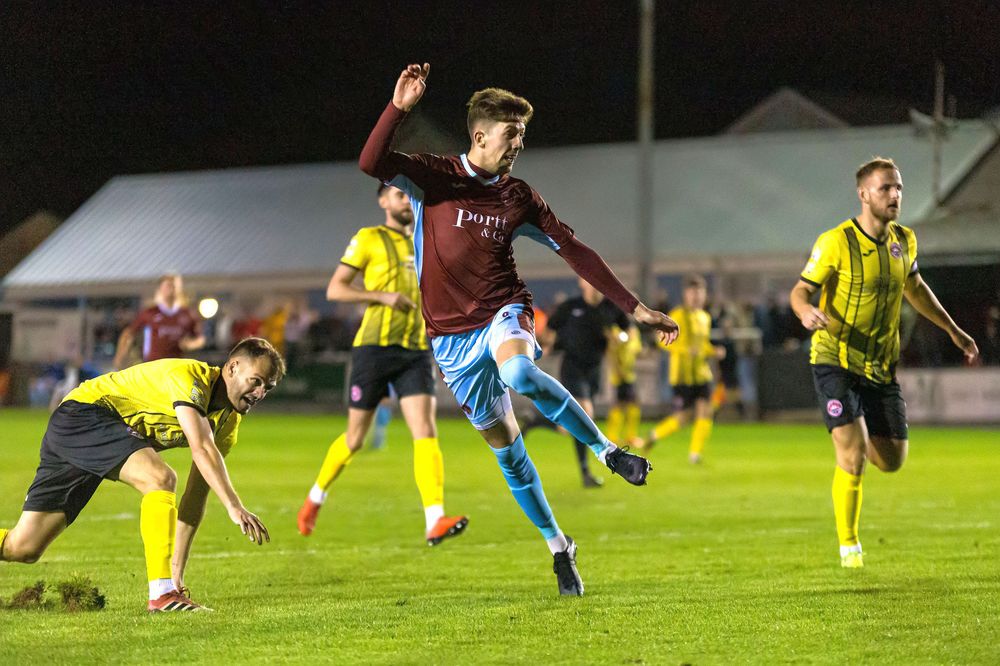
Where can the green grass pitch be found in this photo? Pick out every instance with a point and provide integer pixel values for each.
(734, 561)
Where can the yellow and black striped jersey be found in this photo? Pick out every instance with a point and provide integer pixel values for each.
(862, 283)
(386, 259)
(146, 396)
(623, 350)
(691, 352)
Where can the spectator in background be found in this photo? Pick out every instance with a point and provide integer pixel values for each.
(300, 318)
(248, 326)
(169, 328)
(272, 328)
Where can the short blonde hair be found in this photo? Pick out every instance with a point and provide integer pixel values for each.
(874, 164)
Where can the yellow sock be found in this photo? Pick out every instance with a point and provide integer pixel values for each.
(699, 435)
(428, 470)
(666, 427)
(337, 456)
(633, 415)
(158, 525)
(846, 505)
(616, 418)
(3, 537)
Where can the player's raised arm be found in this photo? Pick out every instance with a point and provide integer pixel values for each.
(410, 86)
(375, 157)
(208, 459)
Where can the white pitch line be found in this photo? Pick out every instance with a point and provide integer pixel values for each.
(103, 517)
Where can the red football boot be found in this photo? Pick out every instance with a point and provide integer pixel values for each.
(446, 526)
(307, 517)
(173, 601)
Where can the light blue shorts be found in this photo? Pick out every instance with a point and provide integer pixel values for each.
(468, 363)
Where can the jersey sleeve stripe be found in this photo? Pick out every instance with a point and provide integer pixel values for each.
(357, 268)
(193, 406)
(808, 281)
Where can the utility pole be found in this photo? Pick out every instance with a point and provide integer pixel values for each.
(937, 134)
(644, 228)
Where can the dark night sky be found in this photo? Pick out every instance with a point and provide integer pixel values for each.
(88, 90)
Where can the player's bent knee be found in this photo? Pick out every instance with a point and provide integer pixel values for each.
(163, 478)
(22, 552)
(522, 375)
(894, 461)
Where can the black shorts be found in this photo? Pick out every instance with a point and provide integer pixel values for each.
(374, 368)
(685, 395)
(625, 392)
(844, 396)
(83, 445)
(582, 381)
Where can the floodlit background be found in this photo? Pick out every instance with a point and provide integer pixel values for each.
(220, 141)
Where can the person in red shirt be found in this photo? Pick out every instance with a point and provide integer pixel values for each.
(467, 212)
(168, 328)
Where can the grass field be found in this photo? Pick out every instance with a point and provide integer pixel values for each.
(734, 561)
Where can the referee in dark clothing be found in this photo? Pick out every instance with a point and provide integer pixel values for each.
(581, 326)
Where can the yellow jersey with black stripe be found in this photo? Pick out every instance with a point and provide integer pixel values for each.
(147, 395)
(692, 351)
(862, 282)
(386, 259)
(623, 350)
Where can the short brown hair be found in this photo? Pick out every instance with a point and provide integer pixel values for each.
(254, 348)
(497, 105)
(874, 164)
(694, 280)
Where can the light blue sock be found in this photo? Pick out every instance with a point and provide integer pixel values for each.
(553, 400)
(522, 479)
(383, 414)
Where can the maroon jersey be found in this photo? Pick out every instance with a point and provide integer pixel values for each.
(465, 221)
(163, 329)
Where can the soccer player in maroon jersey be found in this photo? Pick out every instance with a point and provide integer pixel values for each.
(169, 328)
(467, 211)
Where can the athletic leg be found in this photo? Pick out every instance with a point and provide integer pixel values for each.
(338, 455)
(513, 359)
(850, 443)
(887, 453)
(582, 451)
(31, 536)
(428, 467)
(703, 412)
(146, 471)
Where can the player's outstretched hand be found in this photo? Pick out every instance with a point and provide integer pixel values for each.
(968, 346)
(410, 86)
(250, 525)
(398, 301)
(814, 319)
(666, 327)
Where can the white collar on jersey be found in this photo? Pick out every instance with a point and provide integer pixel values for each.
(472, 172)
(170, 312)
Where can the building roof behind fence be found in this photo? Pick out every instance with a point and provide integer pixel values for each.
(714, 197)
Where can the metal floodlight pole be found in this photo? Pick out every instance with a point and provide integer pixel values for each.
(937, 135)
(644, 228)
